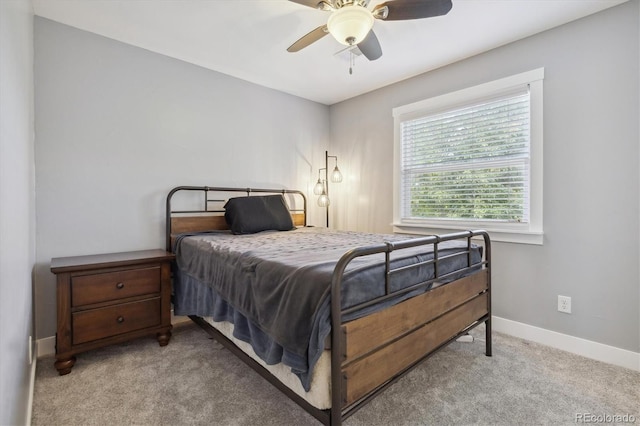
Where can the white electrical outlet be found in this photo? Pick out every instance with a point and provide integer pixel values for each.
(564, 304)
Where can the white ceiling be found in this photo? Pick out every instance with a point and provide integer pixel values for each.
(248, 38)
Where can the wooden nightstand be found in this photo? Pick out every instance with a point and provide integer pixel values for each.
(110, 298)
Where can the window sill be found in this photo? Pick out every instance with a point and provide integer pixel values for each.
(506, 236)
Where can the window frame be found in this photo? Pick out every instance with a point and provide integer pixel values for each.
(527, 233)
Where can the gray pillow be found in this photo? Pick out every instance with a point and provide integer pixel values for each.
(248, 215)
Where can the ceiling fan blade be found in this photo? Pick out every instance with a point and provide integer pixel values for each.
(370, 47)
(309, 38)
(400, 10)
(316, 4)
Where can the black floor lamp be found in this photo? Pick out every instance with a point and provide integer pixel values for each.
(322, 186)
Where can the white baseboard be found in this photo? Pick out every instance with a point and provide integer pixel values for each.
(575, 345)
(177, 320)
(32, 387)
(565, 342)
(46, 346)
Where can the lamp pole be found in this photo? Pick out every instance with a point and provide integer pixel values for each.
(322, 186)
(326, 179)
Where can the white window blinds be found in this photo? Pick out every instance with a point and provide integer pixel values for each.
(469, 162)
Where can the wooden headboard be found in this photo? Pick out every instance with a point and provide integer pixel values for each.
(201, 208)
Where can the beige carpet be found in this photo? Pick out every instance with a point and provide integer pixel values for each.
(194, 381)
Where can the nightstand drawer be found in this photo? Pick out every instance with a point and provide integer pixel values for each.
(96, 288)
(113, 320)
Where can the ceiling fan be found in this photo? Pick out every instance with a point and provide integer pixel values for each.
(351, 22)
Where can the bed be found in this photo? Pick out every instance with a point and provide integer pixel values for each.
(331, 318)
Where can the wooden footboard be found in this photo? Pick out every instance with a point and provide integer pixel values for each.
(372, 352)
(378, 347)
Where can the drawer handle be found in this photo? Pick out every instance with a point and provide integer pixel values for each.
(120, 286)
(120, 319)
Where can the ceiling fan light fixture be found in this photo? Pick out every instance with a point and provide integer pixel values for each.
(350, 24)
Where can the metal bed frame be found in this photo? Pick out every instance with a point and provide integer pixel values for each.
(476, 288)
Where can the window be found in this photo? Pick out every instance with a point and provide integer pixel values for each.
(473, 159)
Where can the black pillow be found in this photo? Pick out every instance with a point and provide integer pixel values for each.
(248, 215)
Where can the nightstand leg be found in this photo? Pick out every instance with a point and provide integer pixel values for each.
(163, 337)
(64, 365)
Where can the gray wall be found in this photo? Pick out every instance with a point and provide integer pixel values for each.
(591, 180)
(118, 126)
(17, 207)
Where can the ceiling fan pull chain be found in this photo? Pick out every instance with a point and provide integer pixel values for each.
(351, 62)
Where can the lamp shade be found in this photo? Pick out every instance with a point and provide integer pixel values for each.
(350, 24)
(323, 200)
(336, 176)
(319, 187)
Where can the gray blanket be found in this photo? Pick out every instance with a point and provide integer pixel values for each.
(280, 281)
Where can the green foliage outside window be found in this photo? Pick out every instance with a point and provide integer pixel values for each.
(488, 194)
